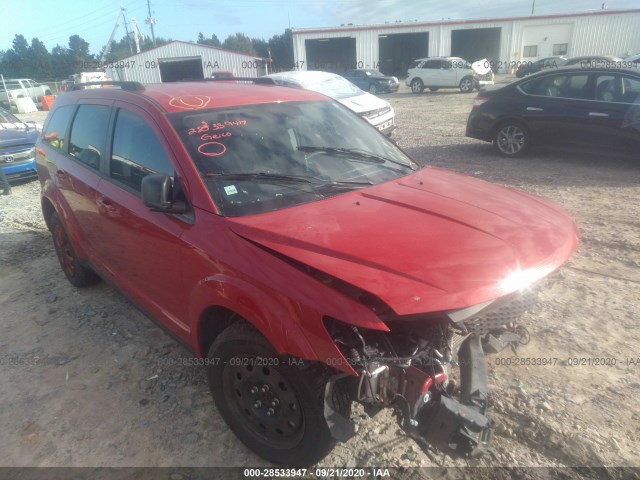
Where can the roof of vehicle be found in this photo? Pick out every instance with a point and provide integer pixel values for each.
(553, 57)
(439, 58)
(570, 69)
(183, 96)
(370, 70)
(590, 68)
(304, 77)
(594, 57)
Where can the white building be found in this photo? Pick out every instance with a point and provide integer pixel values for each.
(185, 61)
(504, 41)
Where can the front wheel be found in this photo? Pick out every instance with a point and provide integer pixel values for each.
(512, 139)
(274, 408)
(373, 88)
(466, 85)
(417, 86)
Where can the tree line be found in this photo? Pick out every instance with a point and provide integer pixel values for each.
(33, 60)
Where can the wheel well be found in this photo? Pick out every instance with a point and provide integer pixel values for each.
(47, 211)
(213, 321)
(414, 79)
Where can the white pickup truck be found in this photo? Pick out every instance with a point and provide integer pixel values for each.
(13, 88)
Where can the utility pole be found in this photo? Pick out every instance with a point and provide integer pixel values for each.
(151, 21)
(126, 29)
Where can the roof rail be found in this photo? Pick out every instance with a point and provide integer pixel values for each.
(257, 80)
(123, 85)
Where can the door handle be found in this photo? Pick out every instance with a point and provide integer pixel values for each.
(535, 109)
(62, 175)
(104, 202)
(598, 114)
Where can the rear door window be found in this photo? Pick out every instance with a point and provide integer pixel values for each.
(136, 151)
(56, 131)
(88, 134)
(568, 85)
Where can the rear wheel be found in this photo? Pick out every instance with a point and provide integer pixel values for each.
(77, 274)
(417, 86)
(274, 408)
(373, 88)
(512, 139)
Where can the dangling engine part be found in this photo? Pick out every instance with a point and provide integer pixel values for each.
(407, 368)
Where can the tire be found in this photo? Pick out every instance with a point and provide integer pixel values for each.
(466, 85)
(79, 275)
(274, 408)
(373, 88)
(512, 139)
(417, 86)
(434, 89)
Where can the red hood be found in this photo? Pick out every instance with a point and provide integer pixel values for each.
(431, 241)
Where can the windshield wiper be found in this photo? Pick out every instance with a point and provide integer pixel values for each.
(260, 176)
(279, 177)
(354, 152)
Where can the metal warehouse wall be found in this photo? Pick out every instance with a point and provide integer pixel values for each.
(597, 33)
(143, 67)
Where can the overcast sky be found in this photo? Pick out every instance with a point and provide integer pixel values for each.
(54, 21)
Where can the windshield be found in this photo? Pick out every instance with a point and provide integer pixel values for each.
(260, 158)
(335, 87)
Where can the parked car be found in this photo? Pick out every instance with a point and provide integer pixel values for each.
(13, 88)
(376, 111)
(306, 259)
(594, 61)
(448, 72)
(372, 81)
(570, 106)
(527, 68)
(17, 141)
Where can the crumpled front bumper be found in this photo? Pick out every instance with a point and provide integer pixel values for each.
(459, 427)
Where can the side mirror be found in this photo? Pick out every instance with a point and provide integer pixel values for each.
(157, 194)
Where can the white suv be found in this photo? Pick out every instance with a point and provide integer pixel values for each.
(448, 72)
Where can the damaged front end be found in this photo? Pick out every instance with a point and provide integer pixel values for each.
(412, 368)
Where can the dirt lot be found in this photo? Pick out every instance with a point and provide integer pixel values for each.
(84, 379)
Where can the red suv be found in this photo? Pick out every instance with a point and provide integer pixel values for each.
(301, 253)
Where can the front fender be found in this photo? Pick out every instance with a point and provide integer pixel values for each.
(272, 316)
(292, 327)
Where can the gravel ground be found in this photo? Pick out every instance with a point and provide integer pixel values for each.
(85, 381)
